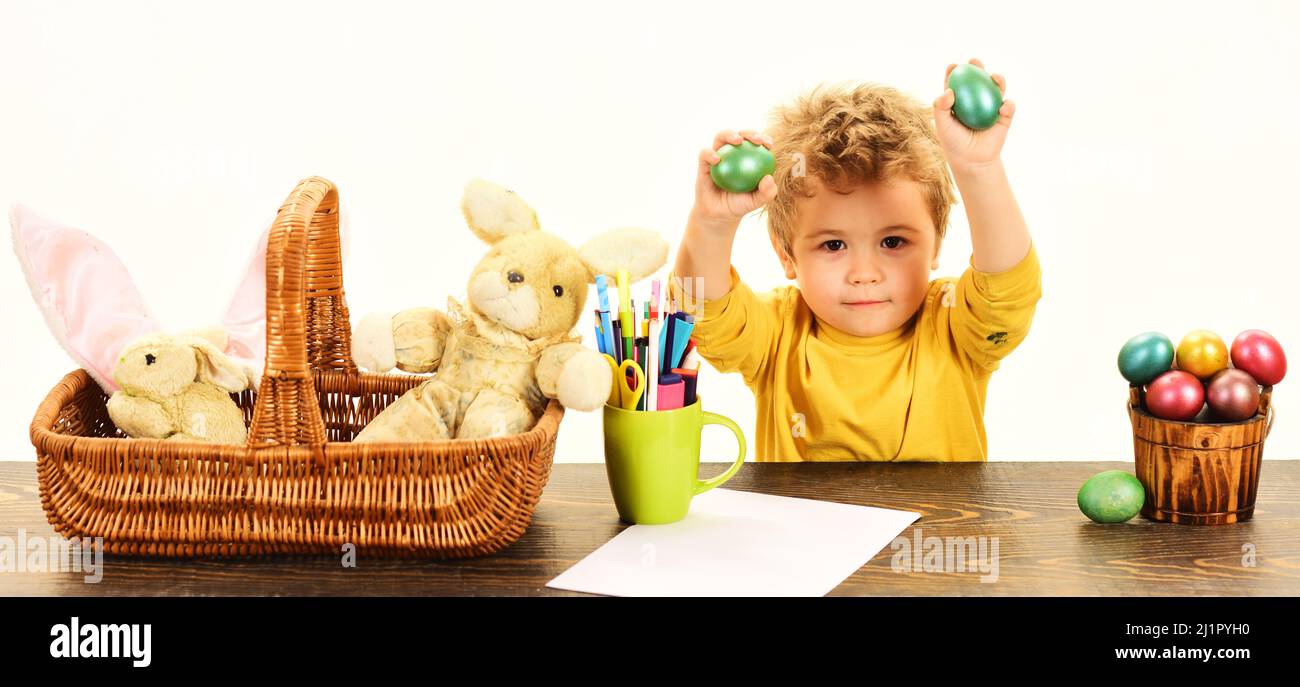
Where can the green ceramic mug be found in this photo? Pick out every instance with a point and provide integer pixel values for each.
(653, 460)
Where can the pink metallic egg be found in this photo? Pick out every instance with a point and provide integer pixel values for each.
(1175, 395)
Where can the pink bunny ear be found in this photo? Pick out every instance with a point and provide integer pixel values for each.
(245, 318)
(84, 291)
(345, 231)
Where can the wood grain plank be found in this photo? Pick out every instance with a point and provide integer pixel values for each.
(1045, 546)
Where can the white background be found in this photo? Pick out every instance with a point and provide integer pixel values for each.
(1153, 153)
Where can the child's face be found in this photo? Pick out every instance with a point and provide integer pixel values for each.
(874, 244)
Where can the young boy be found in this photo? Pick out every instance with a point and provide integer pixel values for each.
(867, 359)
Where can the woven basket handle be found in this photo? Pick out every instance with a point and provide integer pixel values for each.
(306, 318)
(1266, 406)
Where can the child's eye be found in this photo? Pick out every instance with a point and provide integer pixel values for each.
(834, 245)
(893, 242)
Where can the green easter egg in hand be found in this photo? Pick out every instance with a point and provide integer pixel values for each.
(1145, 357)
(740, 168)
(1111, 496)
(978, 97)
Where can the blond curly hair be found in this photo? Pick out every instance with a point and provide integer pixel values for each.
(846, 135)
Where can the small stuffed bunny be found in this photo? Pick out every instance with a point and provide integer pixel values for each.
(159, 385)
(178, 387)
(499, 359)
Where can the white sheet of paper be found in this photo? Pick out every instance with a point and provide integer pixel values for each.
(738, 543)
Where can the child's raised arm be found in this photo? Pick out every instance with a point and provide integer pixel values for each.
(999, 236)
(705, 250)
(996, 297)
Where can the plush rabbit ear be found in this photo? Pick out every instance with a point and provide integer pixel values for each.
(493, 212)
(639, 251)
(84, 291)
(215, 367)
(245, 318)
(345, 231)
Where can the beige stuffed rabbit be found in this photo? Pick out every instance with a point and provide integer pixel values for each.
(178, 387)
(499, 359)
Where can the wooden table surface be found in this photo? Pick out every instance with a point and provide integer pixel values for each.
(1046, 546)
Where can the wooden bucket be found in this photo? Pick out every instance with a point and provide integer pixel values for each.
(1199, 473)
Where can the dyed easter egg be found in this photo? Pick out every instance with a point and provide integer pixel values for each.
(1260, 355)
(1233, 395)
(1202, 353)
(741, 168)
(1111, 496)
(1175, 395)
(978, 97)
(1145, 357)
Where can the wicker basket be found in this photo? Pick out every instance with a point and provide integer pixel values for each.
(298, 486)
(1199, 473)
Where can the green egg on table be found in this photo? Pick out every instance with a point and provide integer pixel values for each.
(741, 168)
(978, 97)
(1111, 496)
(1145, 357)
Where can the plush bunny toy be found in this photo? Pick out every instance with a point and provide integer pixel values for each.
(178, 387)
(161, 386)
(499, 359)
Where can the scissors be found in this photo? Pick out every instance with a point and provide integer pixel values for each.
(620, 393)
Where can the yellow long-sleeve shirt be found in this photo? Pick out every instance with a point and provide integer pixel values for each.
(916, 393)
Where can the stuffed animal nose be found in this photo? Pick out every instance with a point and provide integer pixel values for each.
(515, 277)
(149, 359)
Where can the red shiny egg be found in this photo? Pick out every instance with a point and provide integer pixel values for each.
(1175, 395)
(1233, 395)
(1260, 355)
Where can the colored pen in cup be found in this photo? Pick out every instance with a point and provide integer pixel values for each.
(618, 356)
(666, 350)
(689, 378)
(626, 326)
(652, 363)
(607, 332)
(682, 328)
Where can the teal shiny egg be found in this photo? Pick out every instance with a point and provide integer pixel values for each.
(741, 168)
(978, 97)
(1145, 357)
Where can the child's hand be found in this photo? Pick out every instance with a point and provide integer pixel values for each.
(719, 209)
(965, 148)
